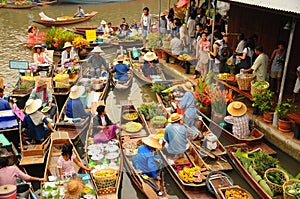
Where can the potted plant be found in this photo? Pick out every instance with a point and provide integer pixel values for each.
(282, 110)
(264, 102)
(218, 104)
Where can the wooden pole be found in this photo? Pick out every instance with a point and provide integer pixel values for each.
(169, 5)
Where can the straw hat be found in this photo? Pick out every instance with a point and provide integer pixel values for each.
(68, 44)
(175, 117)
(152, 141)
(76, 92)
(32, 106)
(237, 108)
(120, 58)
(163, 13)
(97, 49)
(40, 82)
(150, 56)
(188, 86)
(74, 188)
(103, 22)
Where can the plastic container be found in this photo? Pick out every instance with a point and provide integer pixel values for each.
(8, 192)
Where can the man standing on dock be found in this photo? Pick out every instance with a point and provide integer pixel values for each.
(145, 24)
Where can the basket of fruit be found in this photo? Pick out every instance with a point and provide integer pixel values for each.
(291, 189)
(244, 81)
(132, 127)
(130, 115)
(234, 192)
(258, 87)
(105, 180)
(275, 178)
(230, 79)
(158, 121)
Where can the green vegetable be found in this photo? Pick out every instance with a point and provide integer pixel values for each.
(287, 172)
(158, 88)
(263, 162)
(261, 84)
(253, 173)
(294, 189)
(158, 120)
(264, 185)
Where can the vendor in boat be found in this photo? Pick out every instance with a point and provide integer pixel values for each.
(39, 56)
(43, 93)
(175, 140)
(9, 174)
(146, 160)
(149, 67)
(103, 128)
(96, 62)
(102, 26)
(74, 188)
(65, 162)
(35, 121)
(239, 119)
(74, 108)
(121, 69)
(109, 30)
(4, 104)
(68, 55)
(32, 35)
(79, 12)
(187, 104)
(124, 31)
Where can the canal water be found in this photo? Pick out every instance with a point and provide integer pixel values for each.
(15, 22)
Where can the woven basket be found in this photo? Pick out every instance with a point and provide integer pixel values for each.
(106, 184)
(244, 83)
(222, 191)
(28, 83)
(256, 91)
(276, 187)
(287, 195)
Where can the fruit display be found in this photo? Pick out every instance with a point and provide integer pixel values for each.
(192, 175)
(79, 42)
(184, 57)
(261, 84)
(293, 189)
(27, 81)
(223, 76)
(132, 127)
(236, 194)
(105, 173)
(63, 78)
(275, 177)
(22, 3)
(130, 116)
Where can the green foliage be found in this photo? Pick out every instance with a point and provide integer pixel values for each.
(154, 40)
(284, 108)
(151, 110)
(158, 88)
(56, 37)
(264, 101)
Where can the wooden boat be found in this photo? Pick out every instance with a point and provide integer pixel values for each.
(216, 180)
(68, 21)
(46, 3)
(90, 1)
(136, 68)
(12, 6)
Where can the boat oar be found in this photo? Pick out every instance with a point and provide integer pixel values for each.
(150, 193)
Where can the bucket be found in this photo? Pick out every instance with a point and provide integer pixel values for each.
(8, 191)
(23, 190)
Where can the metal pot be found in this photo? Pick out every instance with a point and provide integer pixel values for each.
(23, 190)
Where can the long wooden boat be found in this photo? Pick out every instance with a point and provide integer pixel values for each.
(216, 180)
(46, 3)
(9, 6)
(90, 1)
(49, 23)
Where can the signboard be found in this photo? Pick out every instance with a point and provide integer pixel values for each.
(21, 65)
(90, 35)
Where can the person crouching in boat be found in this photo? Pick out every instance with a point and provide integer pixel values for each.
(121, 70)
(39, 56)
(175, 140)
(9, 174)
(146, 160)
(75, 107)
(43, 93)
(68, 55)
(96, 62)
(149, 67)
(103, 128)
(79, 12)
(34, 121)
(239, 119)
(65, 162)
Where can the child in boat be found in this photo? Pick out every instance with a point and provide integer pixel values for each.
(65, 162)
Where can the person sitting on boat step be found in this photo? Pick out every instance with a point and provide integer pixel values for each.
(175, 140)
(146, 159)
(96, 62)
(39, 56)
(121, 70)
(9, 174)
(34, 121)
(103, 128)
(102, 26)
(69, 54)
(65, 162)
(239, 119)
(149, 67)
(79, 12)
(74, 108)
(4, 104)
(43, 93)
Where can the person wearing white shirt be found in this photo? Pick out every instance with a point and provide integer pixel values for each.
(68, 55)
(145, 24)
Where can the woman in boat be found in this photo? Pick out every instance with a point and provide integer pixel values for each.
(121, 69)
(79, 12)
(39, 56)
(149, 67)
(32, 35)
(103, 128)
(124, 31)
(96, 62)
(35, 121)
(146, 160)
(102, 26)
(43, 93)
(68, 55)
(75, 107)
(9, 174)
(239, 119)
(65, 162)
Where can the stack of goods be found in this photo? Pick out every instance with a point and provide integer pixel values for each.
(61, 81)
(193, 175)
(235, 192)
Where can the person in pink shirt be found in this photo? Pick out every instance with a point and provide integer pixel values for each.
(202, 49)
(65, 161)
(9, 174)
(32, 35)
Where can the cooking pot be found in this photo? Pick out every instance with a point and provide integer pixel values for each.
(8, 191)
(23, 190)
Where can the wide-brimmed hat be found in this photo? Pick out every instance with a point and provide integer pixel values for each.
(120, 58)
(68, 44)
(40, 82)
(188, 86)
(103, 22)
(76, 92)
(32, 105)
(175, 117)
(97, 49)
(237, 108)
(74, 188)
(37, 46)
(150, 56)
(163, 14)
(152, 141)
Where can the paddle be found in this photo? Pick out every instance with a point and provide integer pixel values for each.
(150, 193)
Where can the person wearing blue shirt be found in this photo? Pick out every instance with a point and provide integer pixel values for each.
(75, 107)
(123, 32)
(4, 105)
(121, 69)
(146, 160)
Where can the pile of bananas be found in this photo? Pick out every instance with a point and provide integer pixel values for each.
(184, 57)
(104, 173)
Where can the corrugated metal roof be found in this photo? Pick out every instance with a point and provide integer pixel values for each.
(281, 5)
